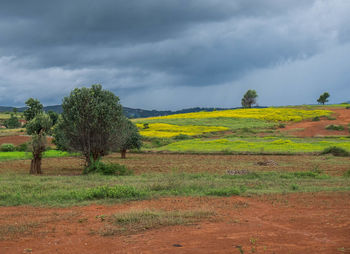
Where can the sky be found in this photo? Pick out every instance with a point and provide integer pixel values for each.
(174, 54)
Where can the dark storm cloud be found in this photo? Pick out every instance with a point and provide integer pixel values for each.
(149, 51)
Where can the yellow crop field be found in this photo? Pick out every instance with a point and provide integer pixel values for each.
(268, 114)
(162, 130)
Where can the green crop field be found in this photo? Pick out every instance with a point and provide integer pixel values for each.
(256, 145)
(5, 156)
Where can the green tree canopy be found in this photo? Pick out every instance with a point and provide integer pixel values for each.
(249, 99)
(90, 121)
(323, 98)
(12, 122)
(34, 107)
(128, 137)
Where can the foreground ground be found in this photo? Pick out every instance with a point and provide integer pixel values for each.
(294, 223)
(279, 222)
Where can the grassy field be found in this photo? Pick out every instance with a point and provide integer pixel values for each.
(28, 155)
(79, 190)
(257, 145)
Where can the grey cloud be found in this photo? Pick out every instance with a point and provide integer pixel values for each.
(149, 51)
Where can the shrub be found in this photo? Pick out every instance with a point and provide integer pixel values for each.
(336, 151)
(107, 169)
(316, 118)
(347, 173)
(335, 127)
(225, 192)
(182, 137)
(331, 118)
(7, 148)
(22, 147)
(348, 107)
(282, 125)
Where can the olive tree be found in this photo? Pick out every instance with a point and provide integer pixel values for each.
(38, 127)
(323, 98)
(34, 107)
(89, 122)
(128, 137)
(249, 98)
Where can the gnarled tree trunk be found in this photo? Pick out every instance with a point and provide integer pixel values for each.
(123, 153)
(38, 146)
(35, 166)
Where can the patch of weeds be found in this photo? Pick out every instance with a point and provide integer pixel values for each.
(107, 169)
(331, 118)
(347, 173)
(141, 220)
(316, 118)
(8, 231)
(336, 151)
(294, 187)
(103, 192)
(182, 137)
(335, 127)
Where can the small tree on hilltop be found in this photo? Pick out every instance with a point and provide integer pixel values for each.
(34, 107)
(38, 128)
(90, 121)
(249, 98)
(128, 137)
(323, 98)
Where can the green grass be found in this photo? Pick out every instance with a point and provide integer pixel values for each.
(257, 145)
(231, 123)
(28, 155)
(85, 189)
(141, 220)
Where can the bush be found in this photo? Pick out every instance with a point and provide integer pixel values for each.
(7, 148)
(336, 151)
(335, 127)
(182, 137)
(316, 118)
(107, 169)
(348, 107)
(281, 125)
(22, 147)
(331, 118)
(347, 173)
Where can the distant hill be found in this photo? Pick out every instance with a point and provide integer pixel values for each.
(129, 112)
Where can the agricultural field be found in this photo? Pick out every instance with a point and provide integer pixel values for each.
(238, 181)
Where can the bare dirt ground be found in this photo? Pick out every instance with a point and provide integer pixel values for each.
(15, 140)
(19, 139)
(318, 128)
(294, 223)
(192, 163)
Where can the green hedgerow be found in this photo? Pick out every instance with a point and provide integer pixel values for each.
(336, 151)
(7, 148)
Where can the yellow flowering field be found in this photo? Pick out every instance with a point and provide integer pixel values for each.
(163, 130)
(267, 114)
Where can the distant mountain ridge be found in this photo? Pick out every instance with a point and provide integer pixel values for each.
(129, 112)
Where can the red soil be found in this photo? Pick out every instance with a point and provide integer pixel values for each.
(295, 223)
(18, 139)
(15, 140)
(309, 128)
